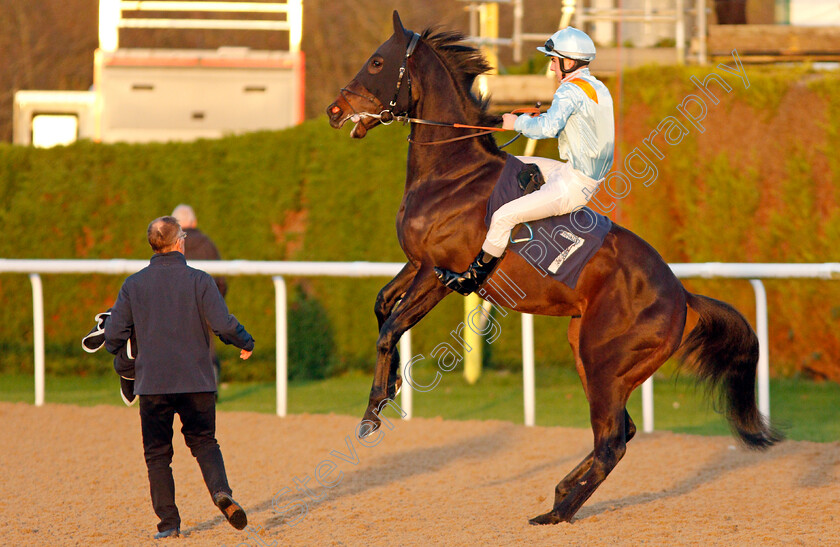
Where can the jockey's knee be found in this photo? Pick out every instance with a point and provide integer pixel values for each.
(504, 219)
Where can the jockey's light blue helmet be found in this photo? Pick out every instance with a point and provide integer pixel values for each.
(570, 43)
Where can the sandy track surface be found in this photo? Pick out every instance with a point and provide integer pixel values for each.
(75, 476)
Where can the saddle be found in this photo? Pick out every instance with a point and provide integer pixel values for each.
(557, 246)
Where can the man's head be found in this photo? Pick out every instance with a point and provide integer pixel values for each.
(185, 216)
(165, 235)
(569, 49)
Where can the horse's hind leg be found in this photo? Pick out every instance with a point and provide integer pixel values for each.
(574, 342)
(607, 415)
(613, 364)
(565, 486)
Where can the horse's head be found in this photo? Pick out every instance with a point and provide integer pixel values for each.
(381, 88)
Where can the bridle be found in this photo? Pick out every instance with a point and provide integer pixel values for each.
(387, 116)
(412, 45)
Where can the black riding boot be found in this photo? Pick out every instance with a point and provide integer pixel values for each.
(470, 280)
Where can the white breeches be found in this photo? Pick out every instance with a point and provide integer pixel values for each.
(565, 190)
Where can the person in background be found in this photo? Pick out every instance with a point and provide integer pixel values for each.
(200, 247)
(168, 305)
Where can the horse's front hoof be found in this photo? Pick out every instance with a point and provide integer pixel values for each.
(367, 427)
(548, 518)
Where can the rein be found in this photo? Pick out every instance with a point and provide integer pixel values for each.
(387, 117)
(453, 139)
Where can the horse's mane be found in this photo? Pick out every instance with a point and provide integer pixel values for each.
(464, 62)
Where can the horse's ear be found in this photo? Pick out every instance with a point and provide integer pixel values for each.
(398, 26)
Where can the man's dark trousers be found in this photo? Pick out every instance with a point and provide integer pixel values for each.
(198, 416)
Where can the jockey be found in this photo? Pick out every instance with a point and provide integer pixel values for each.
(581, 118)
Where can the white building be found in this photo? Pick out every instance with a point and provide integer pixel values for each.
(142, 95)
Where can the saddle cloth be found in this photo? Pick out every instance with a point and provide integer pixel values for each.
(556, 246)
(123, 361)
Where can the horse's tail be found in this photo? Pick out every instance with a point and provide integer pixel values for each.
(723, 349)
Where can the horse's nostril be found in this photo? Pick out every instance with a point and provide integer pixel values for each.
(334, 110)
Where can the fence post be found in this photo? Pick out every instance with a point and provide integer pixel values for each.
(406, 390)
(528, 367)
(647, 405)
(38, 335)
(474, 340)
(701, 32)
(763, 373)
(281, 341)
(679, 33)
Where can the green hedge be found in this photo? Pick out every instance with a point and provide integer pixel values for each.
(761, 184)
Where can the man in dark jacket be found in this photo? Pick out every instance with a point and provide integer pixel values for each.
(198, 246)
(168, 305)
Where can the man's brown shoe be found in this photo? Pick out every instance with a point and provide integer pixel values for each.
(232, 511)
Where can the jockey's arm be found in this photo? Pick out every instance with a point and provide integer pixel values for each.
(550, 123)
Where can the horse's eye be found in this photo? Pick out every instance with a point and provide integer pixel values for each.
(375, 65)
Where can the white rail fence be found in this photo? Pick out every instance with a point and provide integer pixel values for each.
(709, 270)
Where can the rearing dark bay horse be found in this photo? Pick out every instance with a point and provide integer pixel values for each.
(629, 312)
